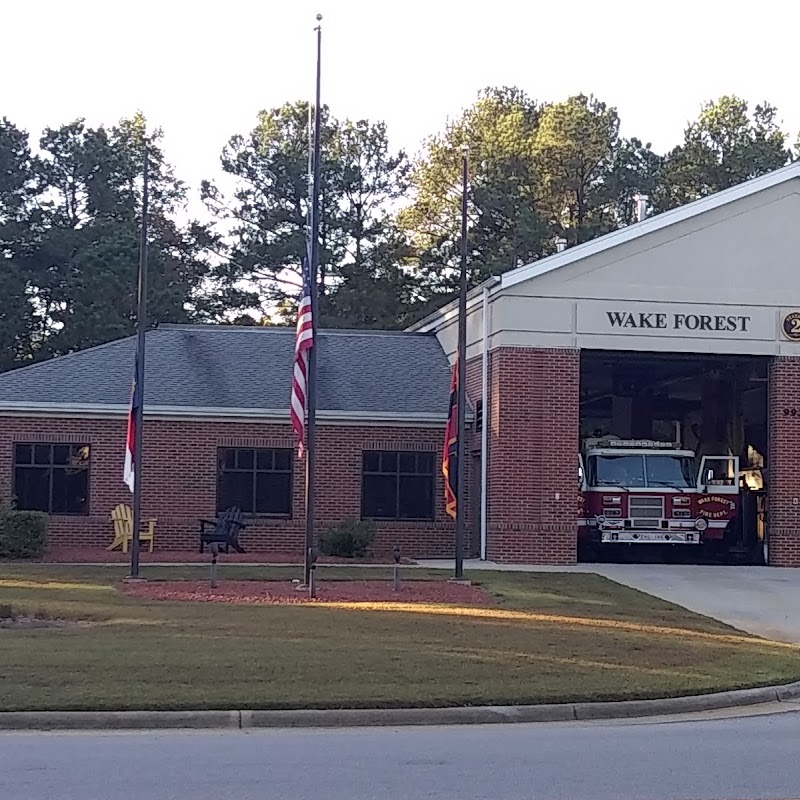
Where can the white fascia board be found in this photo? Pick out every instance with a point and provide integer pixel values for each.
(651, 225)
(448, 313)
(20, 409)
(442, 316)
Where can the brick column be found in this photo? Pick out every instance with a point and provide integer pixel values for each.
(784, 462)
(533, 455)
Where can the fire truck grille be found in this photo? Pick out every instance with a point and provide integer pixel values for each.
(646, 512)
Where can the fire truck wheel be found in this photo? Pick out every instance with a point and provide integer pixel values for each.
(588, 552)
(673, 554)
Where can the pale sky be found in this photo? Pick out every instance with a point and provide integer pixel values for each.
(202, 70)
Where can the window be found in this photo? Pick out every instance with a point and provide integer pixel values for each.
(719, 471)
(640, 470)
(672, 471)
(257, 481)
(612, 470)
(397, 485)
(53, 478)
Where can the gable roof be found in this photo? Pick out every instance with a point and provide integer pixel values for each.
(602, 243)
(242, 371)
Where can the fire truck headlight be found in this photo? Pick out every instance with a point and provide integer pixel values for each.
(601, 520)
(701, 524)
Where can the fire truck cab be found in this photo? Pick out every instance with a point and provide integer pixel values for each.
(647, 492)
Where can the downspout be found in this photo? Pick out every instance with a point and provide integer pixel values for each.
(485, 416)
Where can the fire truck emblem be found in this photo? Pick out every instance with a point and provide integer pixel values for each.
(715, 500)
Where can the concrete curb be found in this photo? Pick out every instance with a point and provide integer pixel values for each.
(116, 720)
(388, 717)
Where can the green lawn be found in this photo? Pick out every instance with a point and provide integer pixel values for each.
(553, 637)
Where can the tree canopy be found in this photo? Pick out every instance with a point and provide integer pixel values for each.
(540, 173)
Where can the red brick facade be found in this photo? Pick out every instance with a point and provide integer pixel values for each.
(533, 447)
(532, 419)
(179, 483)
(784, 464)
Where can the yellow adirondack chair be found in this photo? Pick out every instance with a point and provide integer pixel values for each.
(122, 517)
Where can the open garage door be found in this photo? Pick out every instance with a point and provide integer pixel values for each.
(673, 457)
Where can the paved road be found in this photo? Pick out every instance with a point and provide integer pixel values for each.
(722, 759)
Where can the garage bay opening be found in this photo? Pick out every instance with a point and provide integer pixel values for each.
(672, 462)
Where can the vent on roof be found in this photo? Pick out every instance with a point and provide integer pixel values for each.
(561, 244)
(641, 206)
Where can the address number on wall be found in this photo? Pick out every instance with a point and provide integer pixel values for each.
(791, 412)
(791, 326)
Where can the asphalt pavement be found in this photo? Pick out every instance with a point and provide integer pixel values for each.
(749, 758)
(761, 600)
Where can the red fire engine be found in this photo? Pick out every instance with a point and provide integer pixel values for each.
(648, 492)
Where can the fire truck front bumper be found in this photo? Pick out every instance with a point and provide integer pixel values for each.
(612, 532)
(649, 537)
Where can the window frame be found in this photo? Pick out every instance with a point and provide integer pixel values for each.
(51, 467)
(254, 472)
(398, 474)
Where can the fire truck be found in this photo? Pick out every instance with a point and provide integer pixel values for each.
(639, 492)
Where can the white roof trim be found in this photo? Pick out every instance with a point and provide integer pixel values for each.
(191, 412)
(449, 312)
(651, 225)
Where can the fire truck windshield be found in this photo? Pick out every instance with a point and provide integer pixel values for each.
(640, 471)
(667, 470)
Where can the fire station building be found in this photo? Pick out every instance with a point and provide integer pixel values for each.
(687, 322)
(683, 327)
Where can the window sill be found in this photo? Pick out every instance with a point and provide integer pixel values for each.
(67, 514)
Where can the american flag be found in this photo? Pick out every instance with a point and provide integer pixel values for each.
(303, 342)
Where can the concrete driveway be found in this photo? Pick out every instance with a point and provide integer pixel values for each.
(761, 600)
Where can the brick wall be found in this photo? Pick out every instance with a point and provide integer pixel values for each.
(784, 474)
(180, 479)
(474, 380)
(533, 446)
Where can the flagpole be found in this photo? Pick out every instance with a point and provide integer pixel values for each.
(141, 329)
(462, 375)
(311, 449)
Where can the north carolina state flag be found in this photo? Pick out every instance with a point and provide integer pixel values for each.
(450, 458)
(129, 474)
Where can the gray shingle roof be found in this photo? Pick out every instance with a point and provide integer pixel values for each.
(227, 367)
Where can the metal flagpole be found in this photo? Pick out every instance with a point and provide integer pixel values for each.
(141, 329)
(462, 376)
(311, 390)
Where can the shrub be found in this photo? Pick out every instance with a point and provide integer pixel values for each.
(349, 539)
(22, 533)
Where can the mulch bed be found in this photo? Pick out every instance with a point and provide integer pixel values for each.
(286, 592)
(83, 555)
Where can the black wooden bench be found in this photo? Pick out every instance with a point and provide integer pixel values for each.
(224, 530)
